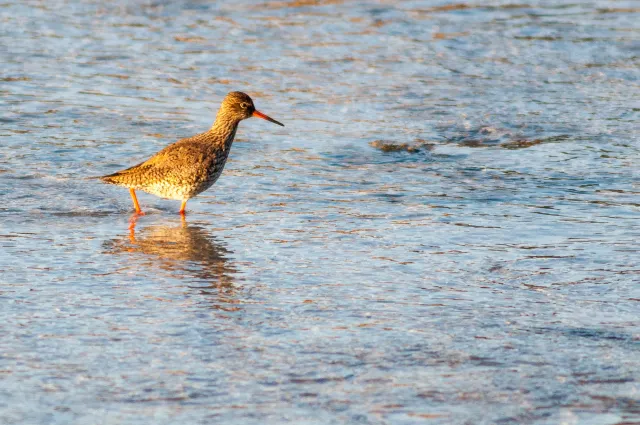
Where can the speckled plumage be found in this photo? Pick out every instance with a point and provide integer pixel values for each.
(190, 166)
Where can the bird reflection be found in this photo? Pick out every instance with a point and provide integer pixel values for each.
(186, 250)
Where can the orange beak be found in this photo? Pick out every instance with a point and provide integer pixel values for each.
(266, 117)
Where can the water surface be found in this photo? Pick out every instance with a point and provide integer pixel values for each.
(446, 230)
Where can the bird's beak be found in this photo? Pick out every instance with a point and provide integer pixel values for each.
(266, 117)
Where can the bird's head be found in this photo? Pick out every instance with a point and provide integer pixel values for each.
(239, 106)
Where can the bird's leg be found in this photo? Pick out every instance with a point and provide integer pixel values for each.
(183, 208)
(136, 205)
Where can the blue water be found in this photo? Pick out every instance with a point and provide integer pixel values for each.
(446, 230)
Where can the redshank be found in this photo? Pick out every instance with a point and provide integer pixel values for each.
(192, 165)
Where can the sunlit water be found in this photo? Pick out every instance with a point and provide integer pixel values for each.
(446, 230)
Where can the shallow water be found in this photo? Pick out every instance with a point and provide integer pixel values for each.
(446, 230)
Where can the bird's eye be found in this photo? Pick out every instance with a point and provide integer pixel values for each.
(244, 105)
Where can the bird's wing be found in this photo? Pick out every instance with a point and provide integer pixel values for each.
(181, 162)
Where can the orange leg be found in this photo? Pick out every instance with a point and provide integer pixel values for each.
(136, 205)
(183, 208)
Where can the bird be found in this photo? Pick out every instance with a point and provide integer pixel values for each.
(189, 166)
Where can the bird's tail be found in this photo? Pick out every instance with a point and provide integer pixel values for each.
(123, 177)
(111, 178)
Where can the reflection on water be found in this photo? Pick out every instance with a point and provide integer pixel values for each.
(184, 249)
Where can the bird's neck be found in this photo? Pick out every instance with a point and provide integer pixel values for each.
(224, 130)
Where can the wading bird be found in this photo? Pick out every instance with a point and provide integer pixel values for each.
(192, 165)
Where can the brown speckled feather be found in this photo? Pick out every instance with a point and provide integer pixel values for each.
(181, 170)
